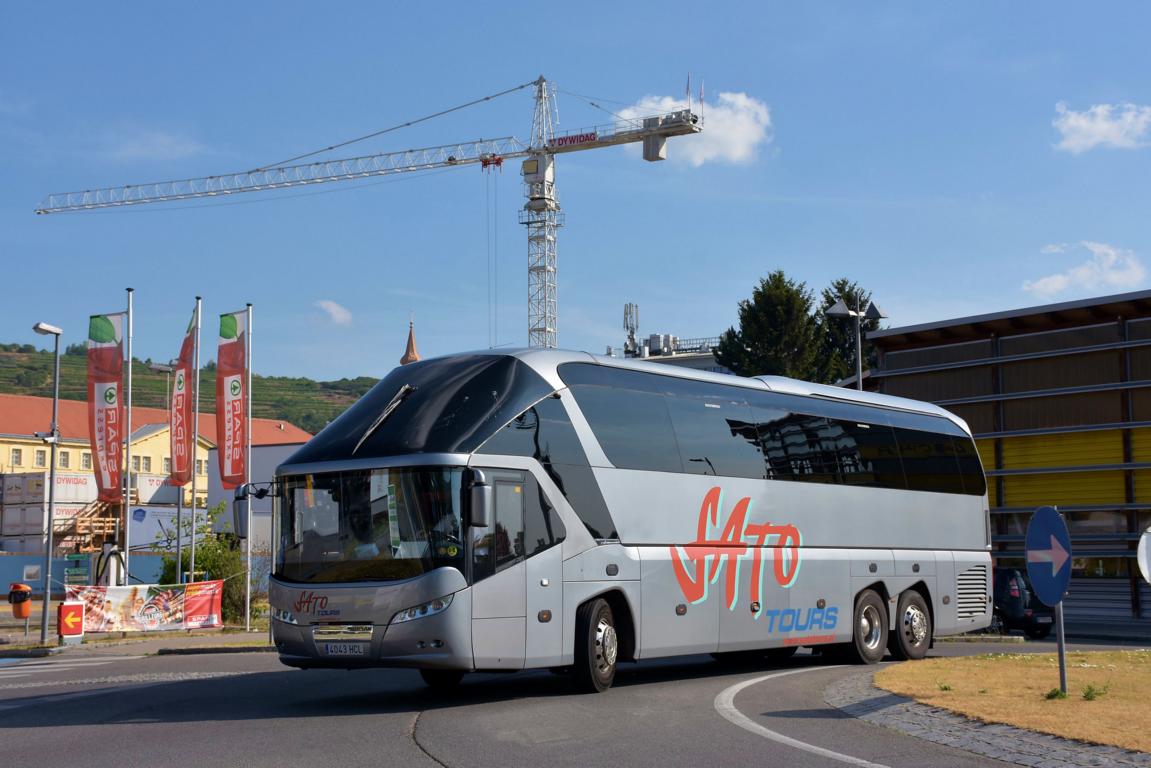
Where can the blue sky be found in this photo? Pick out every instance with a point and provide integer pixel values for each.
(954, 160)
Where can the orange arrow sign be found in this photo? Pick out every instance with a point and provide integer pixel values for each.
(71, 619)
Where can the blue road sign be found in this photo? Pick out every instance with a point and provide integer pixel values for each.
(1048, 555)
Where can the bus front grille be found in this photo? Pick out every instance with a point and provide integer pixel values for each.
(971, 592)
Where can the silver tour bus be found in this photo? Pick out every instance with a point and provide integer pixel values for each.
(501, 511)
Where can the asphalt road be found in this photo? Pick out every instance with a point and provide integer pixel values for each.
(246, 709)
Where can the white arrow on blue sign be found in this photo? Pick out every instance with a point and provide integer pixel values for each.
(1048, 555)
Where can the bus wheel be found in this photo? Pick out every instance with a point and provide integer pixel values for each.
(442, 679)
(912, 634)
(870, 633)
(597, 647)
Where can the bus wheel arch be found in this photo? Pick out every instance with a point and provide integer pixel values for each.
(624, 622)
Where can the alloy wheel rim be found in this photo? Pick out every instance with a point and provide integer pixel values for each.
(606, 645)
(915, 624)
(870, 629)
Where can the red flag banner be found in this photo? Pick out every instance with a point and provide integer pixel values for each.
(231, 398)
(106, 427)
(150, 607)
(181, 415)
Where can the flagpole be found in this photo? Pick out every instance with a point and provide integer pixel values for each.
(248, 479)
(128, 458)
(195, 434)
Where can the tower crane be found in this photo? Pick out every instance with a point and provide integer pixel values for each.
(541, 213)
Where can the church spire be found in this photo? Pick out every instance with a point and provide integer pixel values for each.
(411, 355)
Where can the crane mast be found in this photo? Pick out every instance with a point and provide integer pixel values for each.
(542, 216)
(541, 212)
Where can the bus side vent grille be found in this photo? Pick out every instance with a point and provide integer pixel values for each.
(971, 592)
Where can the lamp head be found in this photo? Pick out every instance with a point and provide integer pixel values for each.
(44, 329)
(840, 309)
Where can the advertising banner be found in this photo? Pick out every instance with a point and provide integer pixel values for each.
(181, 415)
(150, 607)
(231, 398)
(106, 427)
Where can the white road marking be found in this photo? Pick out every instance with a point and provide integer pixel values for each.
(725, 706)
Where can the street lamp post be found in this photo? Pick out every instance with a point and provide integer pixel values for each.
(870, 312)
(167, 371)
(52, 438)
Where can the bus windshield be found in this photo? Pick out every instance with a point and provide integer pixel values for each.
(369, 525)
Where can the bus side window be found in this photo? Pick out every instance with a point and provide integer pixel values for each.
(501, 544)
(542, 525)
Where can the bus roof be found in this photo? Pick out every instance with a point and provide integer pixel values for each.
(547, 361)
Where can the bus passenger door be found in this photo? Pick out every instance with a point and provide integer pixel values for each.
(498, 578)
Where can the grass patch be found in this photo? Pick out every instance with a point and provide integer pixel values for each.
(1016, 688)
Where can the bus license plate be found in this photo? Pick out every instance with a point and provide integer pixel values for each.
(345, 649)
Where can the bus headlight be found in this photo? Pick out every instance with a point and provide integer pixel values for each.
(430, 608)
(284, 616)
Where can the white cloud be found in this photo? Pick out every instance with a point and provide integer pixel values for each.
(1123, 126)
(149, 144)
(1055, 248)
(735, 126)
(1108, 268)
(339, 315)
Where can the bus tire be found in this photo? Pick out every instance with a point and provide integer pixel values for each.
(912, 634)
(442, 679)
(869, 629)
(596, 647)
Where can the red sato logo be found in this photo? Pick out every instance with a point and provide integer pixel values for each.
(309, 602)
(698, 564)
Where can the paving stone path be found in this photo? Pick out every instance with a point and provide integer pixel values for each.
(858, 697)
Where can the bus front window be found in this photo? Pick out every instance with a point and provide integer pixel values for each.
(369, 525)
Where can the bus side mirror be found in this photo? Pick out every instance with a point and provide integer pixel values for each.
(479, 500)
(240, 511)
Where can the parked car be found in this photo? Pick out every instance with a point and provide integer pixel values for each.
(1017, 606)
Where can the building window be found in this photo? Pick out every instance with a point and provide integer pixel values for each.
(65, 459)
(147, 463)
(17, 457)
(85, 460)
(167, 466)
(200, 466)
(41, 458)
(135, 463)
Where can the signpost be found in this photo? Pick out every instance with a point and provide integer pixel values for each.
(1049, 569)
(77, 571)
(70, 623)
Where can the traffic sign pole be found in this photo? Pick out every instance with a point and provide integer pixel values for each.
(1062, 646)
(1048, 546)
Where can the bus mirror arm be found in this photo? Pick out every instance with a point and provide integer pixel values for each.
(244, 492)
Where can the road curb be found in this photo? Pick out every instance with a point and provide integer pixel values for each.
(1012, 639)
(28, 653)
(215, 649)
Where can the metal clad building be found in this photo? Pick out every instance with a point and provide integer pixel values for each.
(1059, 400)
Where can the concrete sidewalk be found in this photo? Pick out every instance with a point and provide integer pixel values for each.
(226, 640)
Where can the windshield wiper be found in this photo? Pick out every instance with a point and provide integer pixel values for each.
(394, 403)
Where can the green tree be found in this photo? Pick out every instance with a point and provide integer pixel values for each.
(777, 333)
(836, 358)
(220, 555)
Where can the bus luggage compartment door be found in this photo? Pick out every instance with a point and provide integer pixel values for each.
(677, 617)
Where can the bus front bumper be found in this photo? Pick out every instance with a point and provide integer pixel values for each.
(440, 641)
